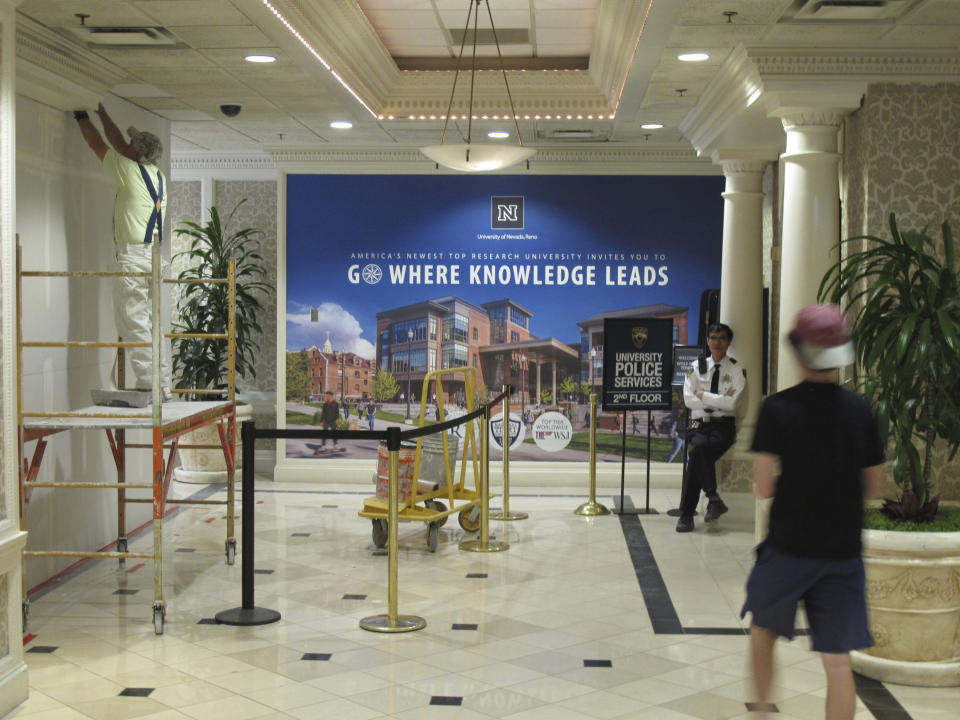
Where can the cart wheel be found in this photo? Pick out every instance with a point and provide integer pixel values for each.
(433, 536)
(470, 519)
(231, 546)
(159, 614)
(379, 532)
(437, 506)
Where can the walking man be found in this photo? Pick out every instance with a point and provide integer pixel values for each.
(824, 439)
(711, 391)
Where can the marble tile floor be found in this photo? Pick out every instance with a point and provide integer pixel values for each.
(555, 628)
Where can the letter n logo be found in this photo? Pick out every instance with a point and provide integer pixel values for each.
(506, 212)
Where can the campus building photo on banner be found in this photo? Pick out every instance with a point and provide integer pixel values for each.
(485, 281)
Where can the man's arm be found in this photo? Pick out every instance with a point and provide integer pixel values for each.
(90, 134)
(691, 385)
(114, 136)
(727, 401)
(764, 475)
(872, 481)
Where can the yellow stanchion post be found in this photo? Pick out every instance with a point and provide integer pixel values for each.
(392, 622)
(505, 513)
(483, 544)
(592, 507)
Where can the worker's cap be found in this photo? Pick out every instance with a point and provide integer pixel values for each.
(147, 144)
(821, 338)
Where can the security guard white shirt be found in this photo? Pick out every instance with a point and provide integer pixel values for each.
(723, 403)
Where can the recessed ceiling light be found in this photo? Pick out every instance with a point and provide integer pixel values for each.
(652, 126)
(693, 57)
(498, 134)
(341, 124)
(260, 58)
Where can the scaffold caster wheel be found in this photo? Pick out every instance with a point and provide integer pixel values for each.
(231, 551)
(437, 506)
(379, 532)
(433, 536)
(470, 519)
(159, 615)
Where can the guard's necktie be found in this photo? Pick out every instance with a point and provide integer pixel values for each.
(715, 380)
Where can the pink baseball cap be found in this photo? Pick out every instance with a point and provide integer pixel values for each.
(821, 337)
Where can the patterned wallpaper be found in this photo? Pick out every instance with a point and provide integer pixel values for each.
(901, 154)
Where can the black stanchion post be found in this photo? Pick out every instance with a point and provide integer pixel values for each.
(247, 614)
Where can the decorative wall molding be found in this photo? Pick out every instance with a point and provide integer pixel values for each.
(679, 160)
(56, 71)
(195, 165)
(893, 66)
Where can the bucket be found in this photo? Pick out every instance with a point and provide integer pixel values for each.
(432, 469)
(406, 456)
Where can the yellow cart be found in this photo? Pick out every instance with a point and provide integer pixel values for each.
(432, 502)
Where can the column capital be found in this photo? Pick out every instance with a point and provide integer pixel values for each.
(744, 160)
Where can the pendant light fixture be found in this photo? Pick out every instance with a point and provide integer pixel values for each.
(470, 156)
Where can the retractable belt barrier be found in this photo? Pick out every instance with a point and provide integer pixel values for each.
(392, 621)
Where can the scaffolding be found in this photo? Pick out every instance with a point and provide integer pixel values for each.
(167, 422)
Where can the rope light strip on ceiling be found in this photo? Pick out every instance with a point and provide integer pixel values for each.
(318, 56)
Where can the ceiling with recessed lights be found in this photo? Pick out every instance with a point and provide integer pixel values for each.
(580, 71)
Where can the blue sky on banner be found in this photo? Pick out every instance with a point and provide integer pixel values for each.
(578, 246)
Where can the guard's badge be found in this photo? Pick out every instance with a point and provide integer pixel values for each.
(639, 337)
(690, 373)
(726, 378)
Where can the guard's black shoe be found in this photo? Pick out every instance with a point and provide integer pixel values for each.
(715, 508)
(685, 523)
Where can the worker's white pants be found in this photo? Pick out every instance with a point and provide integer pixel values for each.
(132, 308)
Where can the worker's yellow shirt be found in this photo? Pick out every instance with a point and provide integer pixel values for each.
(133, 205)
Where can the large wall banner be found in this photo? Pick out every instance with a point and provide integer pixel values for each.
(395, 281)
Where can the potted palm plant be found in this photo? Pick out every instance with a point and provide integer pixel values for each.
(204, 308)
(903, 295)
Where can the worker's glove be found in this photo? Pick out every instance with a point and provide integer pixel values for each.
(79, 115)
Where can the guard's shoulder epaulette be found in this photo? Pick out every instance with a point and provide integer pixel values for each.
(733, 360)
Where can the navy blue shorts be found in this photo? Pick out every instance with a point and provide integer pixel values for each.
(833, 594)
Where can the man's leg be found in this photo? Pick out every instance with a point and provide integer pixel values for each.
(761, 665)
(719, 439)
(841, 691)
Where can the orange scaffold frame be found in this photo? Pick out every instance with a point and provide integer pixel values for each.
(166, 421)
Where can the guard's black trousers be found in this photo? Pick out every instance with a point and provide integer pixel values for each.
(707, 443)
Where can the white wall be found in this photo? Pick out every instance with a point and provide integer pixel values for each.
(64, 215)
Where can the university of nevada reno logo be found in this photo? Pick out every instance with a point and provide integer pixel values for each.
(506, 213)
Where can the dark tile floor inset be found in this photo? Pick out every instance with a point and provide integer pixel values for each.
(263, 572)
(598, 663)
(446, 700)
(43, 648)
(300, 535)
(124, 591)
(464, 626)
(762, 707)
(316, 656)
(354, 597)
(136, 692)
(477, 575)
(185, 550)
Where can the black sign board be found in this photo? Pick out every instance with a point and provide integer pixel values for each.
(637, 363)
(683, 358)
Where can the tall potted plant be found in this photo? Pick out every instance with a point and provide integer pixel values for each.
(902, 292)
(204, 308)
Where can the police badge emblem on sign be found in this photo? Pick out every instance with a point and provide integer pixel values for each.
(639, 336)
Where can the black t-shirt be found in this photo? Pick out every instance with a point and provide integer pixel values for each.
(824, 436)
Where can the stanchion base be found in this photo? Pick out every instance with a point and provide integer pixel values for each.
(676, 513)
(247, 616)
(591, 508)
(509, 516)
(382, 624)
(478, 546)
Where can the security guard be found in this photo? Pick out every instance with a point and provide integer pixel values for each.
(711, 391)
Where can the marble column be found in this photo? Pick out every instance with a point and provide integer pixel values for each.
(741, 273)
(811, 219)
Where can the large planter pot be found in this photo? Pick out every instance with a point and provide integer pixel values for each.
(913, 594)
(208, 466)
